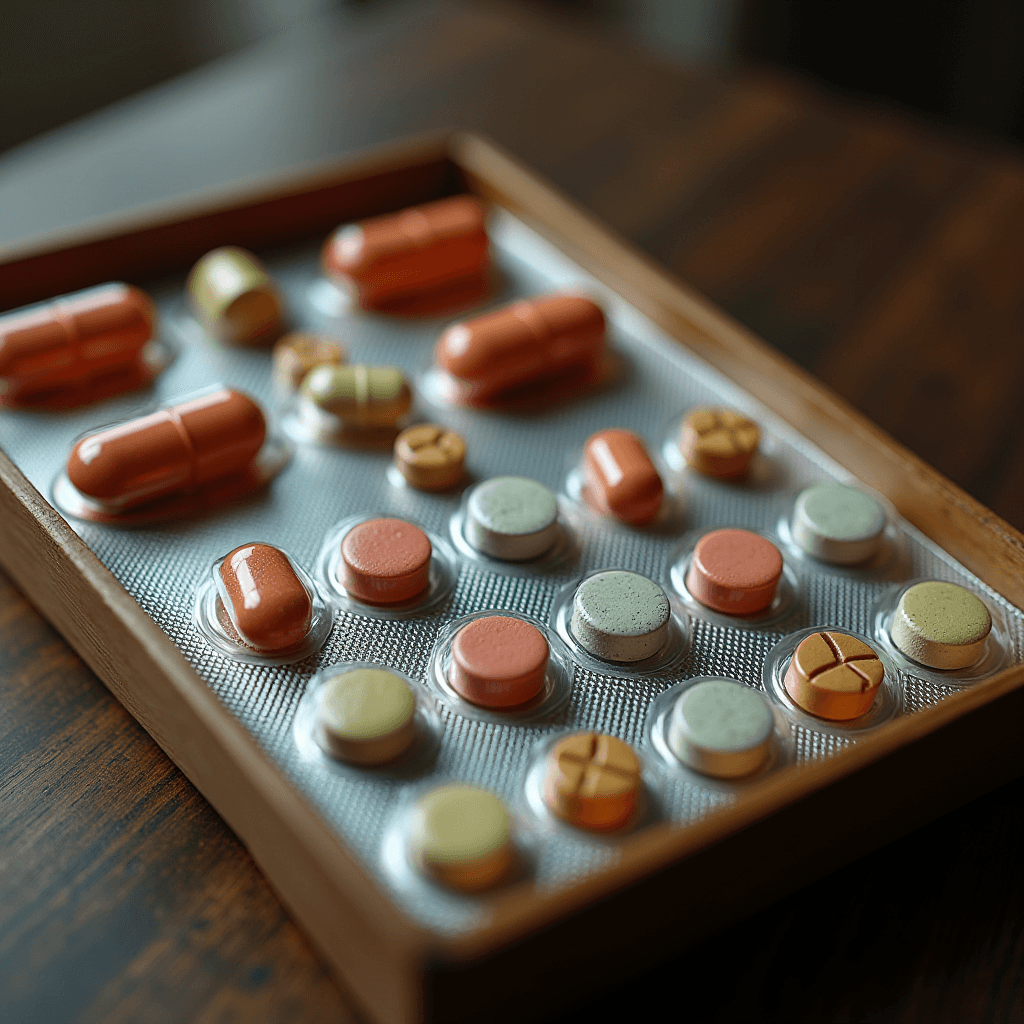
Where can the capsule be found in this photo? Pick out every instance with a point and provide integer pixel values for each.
(233, 297)
(264, 598)
(407, 253)
(175, 449)
(360, 396)
(621, 479)
(524, 343)
(73, 339)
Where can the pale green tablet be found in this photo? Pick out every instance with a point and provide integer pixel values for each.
(620, 616)
(512, 518)
(837, 523)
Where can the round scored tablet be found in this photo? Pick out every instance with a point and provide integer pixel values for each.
(620, 616)
(837, 523)
(385, 561)
(512, 518)
(366, 716)
(941, 625)
(721, 728)
(498, 661)
(462, 837)
(734, 571)
(834, 676)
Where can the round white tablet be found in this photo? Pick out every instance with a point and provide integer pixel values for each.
(620, 616)
(837, 523)
(721, 728)
(512, 518)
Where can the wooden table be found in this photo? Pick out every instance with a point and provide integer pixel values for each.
(882, 257)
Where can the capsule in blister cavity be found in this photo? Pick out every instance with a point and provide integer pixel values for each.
(407, 253)
(527, 342)
(360, 396)
(176, 449)
(233, 297)
(621, 479)
(267, 603)
(71, 340)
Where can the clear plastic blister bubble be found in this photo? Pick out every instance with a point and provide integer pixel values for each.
(781, 752)
(996, 655)
(417, 760)
(549, 704)
(306, 423)
(211, 618)
(649, 799)
(786, 603)
(888, 703)
(443, 573)
(667, 659)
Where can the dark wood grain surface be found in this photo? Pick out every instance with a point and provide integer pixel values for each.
(881, 256)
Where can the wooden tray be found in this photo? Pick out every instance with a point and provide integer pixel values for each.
(672, 884)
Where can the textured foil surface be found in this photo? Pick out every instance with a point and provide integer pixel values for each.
(161, 566)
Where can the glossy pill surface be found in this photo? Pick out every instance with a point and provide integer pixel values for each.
(941, 625)
(232, 296)
(512, 518)
(837, 523)
(620, 616)
(592, 781)
(498, 661)
(266, 601)
(72, 339)
(361, 397)
(385, 561)
(621, 478)
(718, 442)
(526, 342)
(297, 353)
(175, 449)
(734, 571)
(410, 252)
(834, 676)
(429, 457)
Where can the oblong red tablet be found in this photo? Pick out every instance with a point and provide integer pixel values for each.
(498, 661)
(409, 252)
(266, 601)
(734, 571)
(526, 342)
(72, 339)
(621, 478)
(385, 561)
(175, 449)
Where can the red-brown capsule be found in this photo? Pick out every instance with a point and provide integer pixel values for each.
(621, 479)
(72, 339)
(266, 601)
(523, 343)
(413, 251)
(174, 449)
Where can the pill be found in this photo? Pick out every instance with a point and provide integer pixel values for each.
(71, 340)
(512, 518)
(431, 458)
(462, 837)
(410, 252)
(176, 449)
(232, 296)
(498, 661)
(296, 354)
(385, 561)
(837, 523)
(360, 396)
(721, 728)
(620, 616)
(266, 601)
(366, 716)
(941, 625)
(834, 676)
(621, 479)
(525, 343)
(734, 571)
(592, 781)
(718, 442)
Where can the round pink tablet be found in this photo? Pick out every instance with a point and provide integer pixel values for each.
(734, 571)
(385, 561)
(498, 661)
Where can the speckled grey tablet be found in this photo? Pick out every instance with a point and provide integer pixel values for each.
(837, 523)
(620, 616)
(512, 518)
